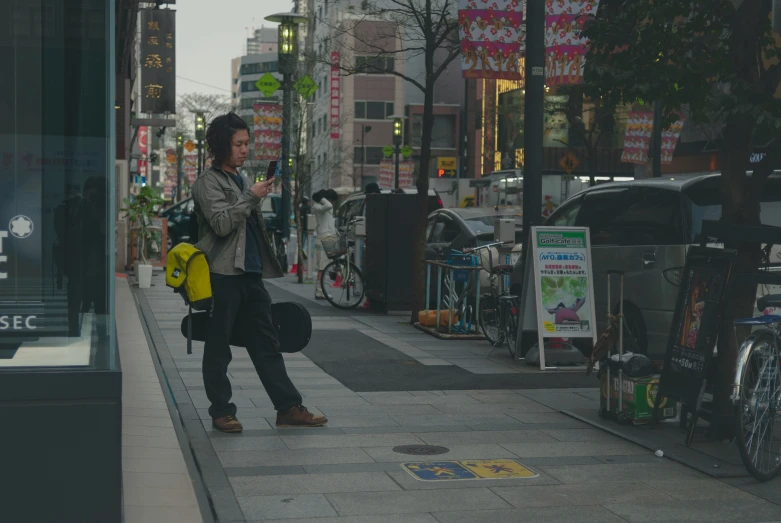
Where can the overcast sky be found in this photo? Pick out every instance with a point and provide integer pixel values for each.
(210, 33)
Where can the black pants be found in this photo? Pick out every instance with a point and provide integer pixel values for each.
(244, 300)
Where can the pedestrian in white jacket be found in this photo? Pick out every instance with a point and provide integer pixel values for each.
(323, 208)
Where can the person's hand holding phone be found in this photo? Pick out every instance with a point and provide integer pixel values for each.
(263, 188)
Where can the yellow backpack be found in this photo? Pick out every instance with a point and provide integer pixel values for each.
(187, 273)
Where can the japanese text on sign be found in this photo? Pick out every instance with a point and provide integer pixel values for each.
(158, 58)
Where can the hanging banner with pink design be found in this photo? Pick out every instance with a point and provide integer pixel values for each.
(639, 128)
(492, 34)
(565, 47)
(637, 140)
(190, 167)
(336, 96)
(268, 131)
(388, 173)
(670, 140)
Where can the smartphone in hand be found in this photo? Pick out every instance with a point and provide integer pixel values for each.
(272, 169)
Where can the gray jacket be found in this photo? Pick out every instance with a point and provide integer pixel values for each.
(222, 210)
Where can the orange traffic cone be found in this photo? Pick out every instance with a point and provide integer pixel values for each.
(338, 282)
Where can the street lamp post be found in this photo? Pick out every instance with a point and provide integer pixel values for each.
(179, 173)
(288, 62)
(200, 132)
(397, 139)
(365, 129)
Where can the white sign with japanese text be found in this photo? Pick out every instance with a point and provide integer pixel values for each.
(561, 304)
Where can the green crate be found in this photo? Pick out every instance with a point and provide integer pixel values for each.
(639, 397)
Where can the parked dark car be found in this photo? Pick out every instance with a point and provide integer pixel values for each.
(180, 226)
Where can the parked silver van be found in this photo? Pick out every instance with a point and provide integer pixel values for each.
(644, 228)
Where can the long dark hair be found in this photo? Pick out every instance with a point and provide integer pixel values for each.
(220, 133)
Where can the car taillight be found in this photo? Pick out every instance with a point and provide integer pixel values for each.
(673, 275)
(439, 201)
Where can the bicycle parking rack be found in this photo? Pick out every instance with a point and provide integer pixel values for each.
(460, 268)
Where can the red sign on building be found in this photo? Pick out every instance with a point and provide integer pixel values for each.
(142, 145)
(336, 96)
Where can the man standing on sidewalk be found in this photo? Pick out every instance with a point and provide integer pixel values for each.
(232, 235)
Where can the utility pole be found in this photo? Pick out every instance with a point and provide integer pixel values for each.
(200, 133)
(463, 171)
(533, 116)
(179, 169)
(397, 142)
(365, 129)
(656, 142)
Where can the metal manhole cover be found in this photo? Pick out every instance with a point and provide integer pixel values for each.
(421, 450)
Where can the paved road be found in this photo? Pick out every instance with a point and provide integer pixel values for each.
(349, 471)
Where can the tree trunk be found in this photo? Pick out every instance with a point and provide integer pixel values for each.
(740, 207)
(419, 263)
(591, 160)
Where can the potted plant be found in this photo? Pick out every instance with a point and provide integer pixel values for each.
(139, 211)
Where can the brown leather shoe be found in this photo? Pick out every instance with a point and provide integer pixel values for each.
(298, 416)
(227, 424)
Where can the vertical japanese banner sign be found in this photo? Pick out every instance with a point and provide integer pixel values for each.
(639, 127)
(492, 38)
(268, 131)
(142, 145)
(670, 139)
(158, 55)
(336, 96)
(565, 47)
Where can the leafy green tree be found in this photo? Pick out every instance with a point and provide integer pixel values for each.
(717, 61)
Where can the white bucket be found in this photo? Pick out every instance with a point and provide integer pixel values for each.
(144, 275)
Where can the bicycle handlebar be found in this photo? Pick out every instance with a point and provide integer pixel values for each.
(486, 246)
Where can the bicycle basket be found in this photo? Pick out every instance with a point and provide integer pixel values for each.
(334, 246)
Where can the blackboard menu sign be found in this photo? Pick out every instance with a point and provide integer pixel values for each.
(700, 308)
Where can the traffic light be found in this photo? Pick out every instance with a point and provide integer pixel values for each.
(200, 126)
(397, 131)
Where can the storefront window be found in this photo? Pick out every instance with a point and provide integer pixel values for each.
(57, 200)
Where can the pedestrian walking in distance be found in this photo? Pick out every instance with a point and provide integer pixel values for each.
(232, 235)
(323, 208)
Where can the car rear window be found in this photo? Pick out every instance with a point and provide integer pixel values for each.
(703, 202)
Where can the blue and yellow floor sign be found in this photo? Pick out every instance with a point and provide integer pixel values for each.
(470, 469)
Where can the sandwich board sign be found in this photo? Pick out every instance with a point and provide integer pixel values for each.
(557, 300)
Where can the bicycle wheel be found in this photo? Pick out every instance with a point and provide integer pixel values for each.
(758, 398)
(342, 284)
(510, 311)
(490, 320)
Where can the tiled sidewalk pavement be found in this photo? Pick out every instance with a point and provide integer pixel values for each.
(155, 481)
(348, 472)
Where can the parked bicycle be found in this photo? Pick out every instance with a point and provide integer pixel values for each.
(757, 393)
(498, 308)
(342, 282)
